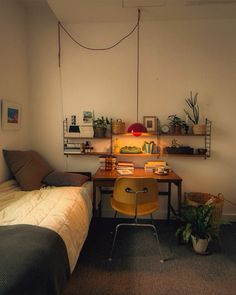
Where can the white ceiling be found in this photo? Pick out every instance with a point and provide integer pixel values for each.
(77, 11)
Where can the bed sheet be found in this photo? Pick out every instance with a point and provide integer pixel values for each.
(65, 210)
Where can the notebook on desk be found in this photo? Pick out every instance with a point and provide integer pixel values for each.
(125, 172)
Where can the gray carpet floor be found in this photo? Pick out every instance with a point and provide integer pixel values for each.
(136, 269)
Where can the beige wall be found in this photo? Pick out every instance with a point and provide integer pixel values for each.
(13, 74)
(176, 57)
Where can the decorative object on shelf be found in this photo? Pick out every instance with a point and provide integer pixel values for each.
(88, 147)
(201, 151)
(150, 122)
(88, 117)
(118, 127)
(194, 118)
(130, 150)
(116, 147)
(176, 124)
(11, 115)
(148, 147)
(73, 127)
(185, 150)
(198, 226)
(100, 126)
(137, 128)
(165, 129)
(176, 148)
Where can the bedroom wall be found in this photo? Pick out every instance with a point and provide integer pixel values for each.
(176, 57)
(13, 74)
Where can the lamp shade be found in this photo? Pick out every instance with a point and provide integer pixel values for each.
(137, 129)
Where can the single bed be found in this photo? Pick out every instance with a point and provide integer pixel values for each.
(41, 236)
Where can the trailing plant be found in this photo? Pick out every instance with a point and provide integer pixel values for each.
(197, 221)
(192, 103)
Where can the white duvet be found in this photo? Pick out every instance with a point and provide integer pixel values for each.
(66, 210)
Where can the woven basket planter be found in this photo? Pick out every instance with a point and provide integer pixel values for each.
(197, 199)
(118, 127)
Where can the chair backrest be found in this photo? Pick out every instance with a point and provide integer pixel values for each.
(120, 193)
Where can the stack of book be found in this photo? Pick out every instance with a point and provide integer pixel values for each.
(102, 162)
(125, 168)
(153, 165)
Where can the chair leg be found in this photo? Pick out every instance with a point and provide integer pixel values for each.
(158, 243)
(113, 243)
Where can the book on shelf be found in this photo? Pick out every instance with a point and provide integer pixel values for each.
(121, 168)
(125, 172)
(125, 163)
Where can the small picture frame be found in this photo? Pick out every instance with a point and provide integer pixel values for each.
(150, 122)
(87, 117)
(11, 115)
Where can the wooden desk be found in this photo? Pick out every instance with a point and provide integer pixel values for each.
(107, 179)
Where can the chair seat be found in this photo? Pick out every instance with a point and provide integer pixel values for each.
(129, 209)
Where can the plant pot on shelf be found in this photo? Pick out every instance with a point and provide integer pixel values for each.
(199, 129)
(200, 245)
(99, 132)
(177, 130)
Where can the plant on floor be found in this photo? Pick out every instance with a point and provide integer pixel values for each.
(198, 225)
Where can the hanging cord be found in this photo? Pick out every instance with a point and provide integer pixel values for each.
(60, 25)
(138, 66)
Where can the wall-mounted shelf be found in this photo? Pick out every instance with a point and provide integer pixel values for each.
(136, 155)
(76, 139)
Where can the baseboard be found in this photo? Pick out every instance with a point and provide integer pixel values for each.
(228, 217)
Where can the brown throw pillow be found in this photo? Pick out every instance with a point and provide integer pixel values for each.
(57, 178)
(28, 168)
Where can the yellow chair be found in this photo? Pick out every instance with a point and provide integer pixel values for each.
(135, 197)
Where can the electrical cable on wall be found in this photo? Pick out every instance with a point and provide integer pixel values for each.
(61, 26)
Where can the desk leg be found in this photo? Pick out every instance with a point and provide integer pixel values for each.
(94, 199)
(169, 201)
(179, 185)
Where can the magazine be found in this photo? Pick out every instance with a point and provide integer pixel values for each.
(125, 172)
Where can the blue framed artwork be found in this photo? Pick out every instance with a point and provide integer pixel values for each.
(11, 115)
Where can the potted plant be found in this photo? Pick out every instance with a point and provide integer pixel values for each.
(194, 117)
(176, 124)
(100, 127)
(198, 226)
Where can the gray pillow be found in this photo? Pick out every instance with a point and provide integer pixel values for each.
(28, 168)
(57, 178)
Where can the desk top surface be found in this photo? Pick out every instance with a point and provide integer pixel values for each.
(138, 172)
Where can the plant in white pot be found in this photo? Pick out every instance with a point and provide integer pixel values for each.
(194, 117)
(198, 226)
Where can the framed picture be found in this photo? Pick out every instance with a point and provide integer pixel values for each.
(11, 115)
(88, 117)
(150, 122)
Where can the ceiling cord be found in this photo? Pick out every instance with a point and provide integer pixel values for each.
(138, 65)
(61, 26)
